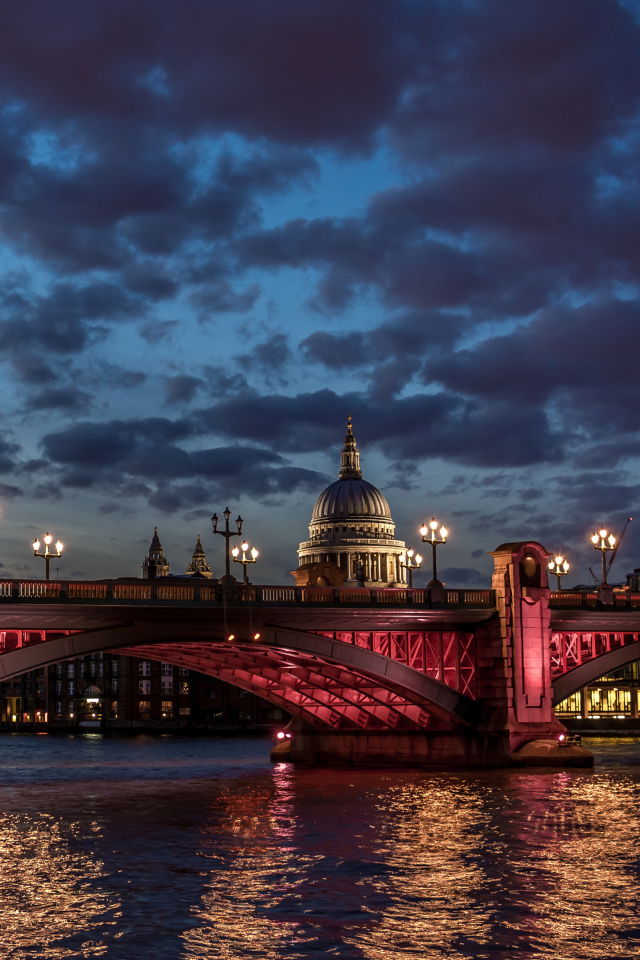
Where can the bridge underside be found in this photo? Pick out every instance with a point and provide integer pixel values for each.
(591, 671)
(323, 681)
(580, 657)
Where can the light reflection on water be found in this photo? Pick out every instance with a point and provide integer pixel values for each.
(199, 849)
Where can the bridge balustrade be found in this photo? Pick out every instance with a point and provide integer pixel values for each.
(208, 592)
(624, 601)
(49, 589)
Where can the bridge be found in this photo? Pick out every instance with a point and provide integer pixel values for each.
(462, 676)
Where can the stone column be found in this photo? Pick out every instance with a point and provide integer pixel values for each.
(513, 656)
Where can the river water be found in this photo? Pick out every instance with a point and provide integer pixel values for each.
(182, 849)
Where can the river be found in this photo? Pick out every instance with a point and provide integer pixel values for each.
(158, 848)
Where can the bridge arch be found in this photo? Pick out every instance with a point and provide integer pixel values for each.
(324, 681)
(590, 671)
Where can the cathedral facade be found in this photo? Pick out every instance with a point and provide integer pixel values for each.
(352, 529)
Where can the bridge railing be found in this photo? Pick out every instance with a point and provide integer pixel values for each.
(621, 601)
(185, 591)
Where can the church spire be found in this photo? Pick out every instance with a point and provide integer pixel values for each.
(350, 469)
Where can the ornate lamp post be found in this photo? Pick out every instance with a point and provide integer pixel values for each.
(560, 567)
(227, 534)
(244, 559)
(603, 541)
(47, 555)
(413, 561)
(428, 534)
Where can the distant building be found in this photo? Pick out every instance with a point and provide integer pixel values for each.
(352, 528)
(199, 563)
(106, 691)
(155, 564)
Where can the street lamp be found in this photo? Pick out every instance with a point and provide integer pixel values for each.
(603, 541)
(244, 559)
(47, 555)
(227, 534)
(413, 561)
(560, 567)
(428, 534)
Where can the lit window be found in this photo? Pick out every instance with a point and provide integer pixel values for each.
(70, 688)
(114, 709)
(144, 686)
(71, 669)
(167, 709)
(144, 708)
(184, 686)
(114, 686)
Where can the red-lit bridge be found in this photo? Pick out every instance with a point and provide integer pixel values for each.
(461, 662)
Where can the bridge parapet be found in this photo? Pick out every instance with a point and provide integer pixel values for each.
(146, 591)
(621, 601)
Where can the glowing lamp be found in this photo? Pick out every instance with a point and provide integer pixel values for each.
(280, 735)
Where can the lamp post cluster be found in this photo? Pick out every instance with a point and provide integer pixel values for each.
(604, 541)
(429, 534)
(244, 559)
(47, 555)
(410, 562)
(559, 567)
(228, 533)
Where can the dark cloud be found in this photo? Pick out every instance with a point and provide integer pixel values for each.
(442, 424)
(181, 388)
(59, 398)
(9, 492)
(9, 450)
(271, 357)
(116, 455)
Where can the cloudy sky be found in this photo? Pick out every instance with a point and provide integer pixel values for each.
(224, 226)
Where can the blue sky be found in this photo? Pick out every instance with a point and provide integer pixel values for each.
(224, 227)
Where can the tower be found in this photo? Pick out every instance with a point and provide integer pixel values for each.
(199, 563)
(155, 564)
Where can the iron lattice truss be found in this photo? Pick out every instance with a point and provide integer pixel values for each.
(329, 694)
(571, 650)
(446, 656)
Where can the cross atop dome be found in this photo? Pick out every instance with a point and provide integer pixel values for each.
(350, 469)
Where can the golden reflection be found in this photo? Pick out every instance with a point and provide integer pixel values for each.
(253, 833)
(424, 836)
(48, 895)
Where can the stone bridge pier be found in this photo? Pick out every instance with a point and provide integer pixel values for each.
(513, 722)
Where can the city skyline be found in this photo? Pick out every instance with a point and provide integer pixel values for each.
(226, 228)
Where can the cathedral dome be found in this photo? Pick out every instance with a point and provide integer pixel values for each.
(351, 497)
(352, 528)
